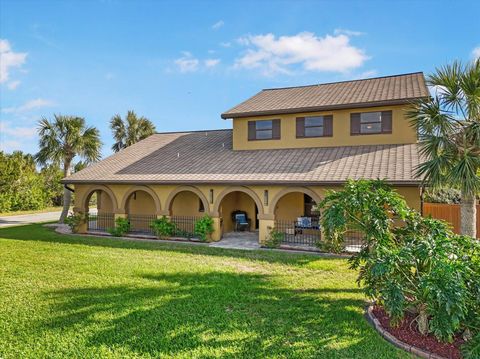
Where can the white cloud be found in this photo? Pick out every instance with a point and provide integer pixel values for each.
(218, 25)
(367, 74)
(437, 90)
(226, 44)
(212, 62)
(348, 32)
(10, 146)
(476, 53)
(187, 63)
(9, 59)
(14, 138)
(306, 50)
(23, 132)
(12, 85)
(29, 105)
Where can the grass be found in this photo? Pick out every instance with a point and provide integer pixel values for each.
(33, 211)
(70, 296)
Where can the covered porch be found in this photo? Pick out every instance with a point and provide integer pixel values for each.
(248, 213)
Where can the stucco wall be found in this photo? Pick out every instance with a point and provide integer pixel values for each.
(186, 204)
(402, 132)
(290, 206)
(140, 202)
(104, 203)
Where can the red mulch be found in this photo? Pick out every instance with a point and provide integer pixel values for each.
(409, 334)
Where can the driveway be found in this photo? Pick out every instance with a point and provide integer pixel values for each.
(10, 221)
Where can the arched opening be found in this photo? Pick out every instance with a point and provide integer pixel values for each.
(238, 212)
(297, 218)
(140, 208)
(186, 207)
(99, 207)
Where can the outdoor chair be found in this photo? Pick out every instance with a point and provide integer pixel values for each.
(241, 222)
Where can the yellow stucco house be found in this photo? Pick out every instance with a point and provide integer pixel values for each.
(287, 146)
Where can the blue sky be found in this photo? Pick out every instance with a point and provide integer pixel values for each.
(181, 64)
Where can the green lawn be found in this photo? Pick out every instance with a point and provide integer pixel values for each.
(64, 296)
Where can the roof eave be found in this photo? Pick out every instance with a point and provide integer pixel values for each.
(403, 183)
(227, 115)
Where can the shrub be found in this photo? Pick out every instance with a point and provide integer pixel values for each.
(163, 227)
(73, 220)
(409, 262)
(122, 226)
(443, 195)
(204, 227)
(274, 238)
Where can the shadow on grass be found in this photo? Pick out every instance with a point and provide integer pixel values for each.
(219, 314)
(37, 232)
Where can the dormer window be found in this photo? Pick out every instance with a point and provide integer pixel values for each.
(315, 126)
(264, 130)
(369, 123)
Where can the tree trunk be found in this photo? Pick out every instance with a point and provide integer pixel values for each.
(422, 320)
(67, 195)
(468, 215)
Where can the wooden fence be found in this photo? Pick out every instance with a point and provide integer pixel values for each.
(449, 213)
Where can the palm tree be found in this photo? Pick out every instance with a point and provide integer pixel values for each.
(131, 130)
(61, 140)
(448, 125)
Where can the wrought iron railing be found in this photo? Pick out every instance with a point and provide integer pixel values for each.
(293, 233)
(100, 222)
(141, 223)
(184, 226)
(353, 241)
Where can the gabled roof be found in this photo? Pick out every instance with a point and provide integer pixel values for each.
(207, 157)
(379, 91)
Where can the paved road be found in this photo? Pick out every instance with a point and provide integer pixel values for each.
(9, 221)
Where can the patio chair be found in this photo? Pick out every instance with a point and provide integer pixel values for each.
(241, 222)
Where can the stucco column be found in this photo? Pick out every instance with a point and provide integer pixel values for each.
(82, 226)
(163, 213)
(119, 213)
(217, 229)
(265, 224)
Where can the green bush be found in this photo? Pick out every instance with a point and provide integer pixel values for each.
(74, 220)
(163, 228)
(204, 227)
(122, 226)
(274, 238)
(442, 195)
(23, 187)
(409, 262)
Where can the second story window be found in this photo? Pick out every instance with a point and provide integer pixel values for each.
(314, 126)
(368, 123)
(264, 130)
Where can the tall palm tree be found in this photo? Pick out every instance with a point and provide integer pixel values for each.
(448, 125)
(61, 140)
(131, 130)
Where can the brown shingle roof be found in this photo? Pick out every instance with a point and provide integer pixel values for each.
(389, 90)
(207, 157)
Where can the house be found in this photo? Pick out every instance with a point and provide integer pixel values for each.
(287, 146)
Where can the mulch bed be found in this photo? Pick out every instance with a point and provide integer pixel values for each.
(409, 334)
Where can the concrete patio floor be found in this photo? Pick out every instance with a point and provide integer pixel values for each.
(238, 240)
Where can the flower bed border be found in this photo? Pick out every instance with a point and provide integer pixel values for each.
(398, 343)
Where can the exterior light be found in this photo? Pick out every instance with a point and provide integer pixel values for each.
(265, 197)
(211, 196)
